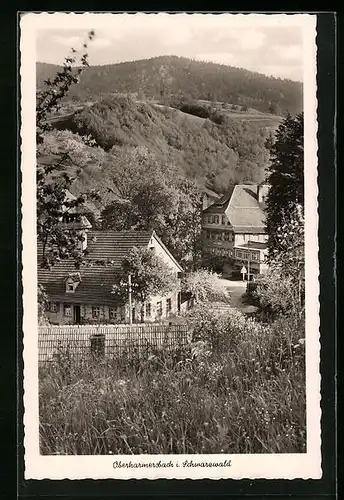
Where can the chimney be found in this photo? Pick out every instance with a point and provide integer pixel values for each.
(83, 226)
(83, 243)
(262, 191)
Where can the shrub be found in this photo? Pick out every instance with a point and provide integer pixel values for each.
(204, 285)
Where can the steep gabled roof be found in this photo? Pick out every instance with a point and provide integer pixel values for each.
(84, 208)
(115, 245)
(96, 279)
(167, 251)
(211, 193)
(243, 209)
(218, 207)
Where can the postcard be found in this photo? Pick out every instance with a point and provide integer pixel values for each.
(170, 246)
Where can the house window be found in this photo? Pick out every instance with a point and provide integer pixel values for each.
(223, 219)
(67, 310)
(95, 312)
(216, 219)
(148, 310)
(168, 305)
(226, 236)
(159, 308)
(53, 307)
(113, 313)
(70, 286)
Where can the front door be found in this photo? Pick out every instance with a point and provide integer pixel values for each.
(77, 315)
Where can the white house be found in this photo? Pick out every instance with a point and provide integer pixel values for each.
(84, 295)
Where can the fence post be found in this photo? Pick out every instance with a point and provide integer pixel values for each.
(98, 344)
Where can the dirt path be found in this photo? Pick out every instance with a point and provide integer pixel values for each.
(237, 290)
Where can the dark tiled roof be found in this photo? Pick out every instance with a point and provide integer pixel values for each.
(84, 208)
(211, 193)
(114, 245)
(80, 223)
(217, 208)
(96, 280)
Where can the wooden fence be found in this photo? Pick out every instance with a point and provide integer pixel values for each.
(107, 340)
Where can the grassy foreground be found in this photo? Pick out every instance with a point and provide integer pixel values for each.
(239, 388)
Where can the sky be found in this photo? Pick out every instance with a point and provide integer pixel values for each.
(275, 50)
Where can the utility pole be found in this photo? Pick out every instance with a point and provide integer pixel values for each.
(248, 260)
(130, 300)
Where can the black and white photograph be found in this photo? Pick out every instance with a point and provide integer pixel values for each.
(170, 266)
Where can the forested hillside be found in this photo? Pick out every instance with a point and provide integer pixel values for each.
(216, 153)
(149, 136)
(163, 78)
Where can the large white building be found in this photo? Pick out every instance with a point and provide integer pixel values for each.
(233, 229)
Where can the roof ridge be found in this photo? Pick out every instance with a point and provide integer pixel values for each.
(114, 231)
(251, 208)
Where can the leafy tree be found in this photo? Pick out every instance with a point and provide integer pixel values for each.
(275, 108)
(182, 232)
(132, 167)
(58, 240)
(173, 211)
(285, 177)
(149, 276)
(119, 216)
(282, 289)
(204, 286)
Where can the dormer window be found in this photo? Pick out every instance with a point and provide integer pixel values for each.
(72, 282)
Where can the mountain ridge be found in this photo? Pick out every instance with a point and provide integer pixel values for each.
(165, 77)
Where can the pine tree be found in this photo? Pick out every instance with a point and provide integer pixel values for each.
(285, 177)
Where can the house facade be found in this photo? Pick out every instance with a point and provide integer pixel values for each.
(84, 296)
(252, 257)
(234, 222)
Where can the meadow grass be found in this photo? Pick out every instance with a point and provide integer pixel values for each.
(238, 388)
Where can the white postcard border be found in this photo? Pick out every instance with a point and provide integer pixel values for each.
(282, 466)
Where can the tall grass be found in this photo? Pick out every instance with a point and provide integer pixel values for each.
(239, 388)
